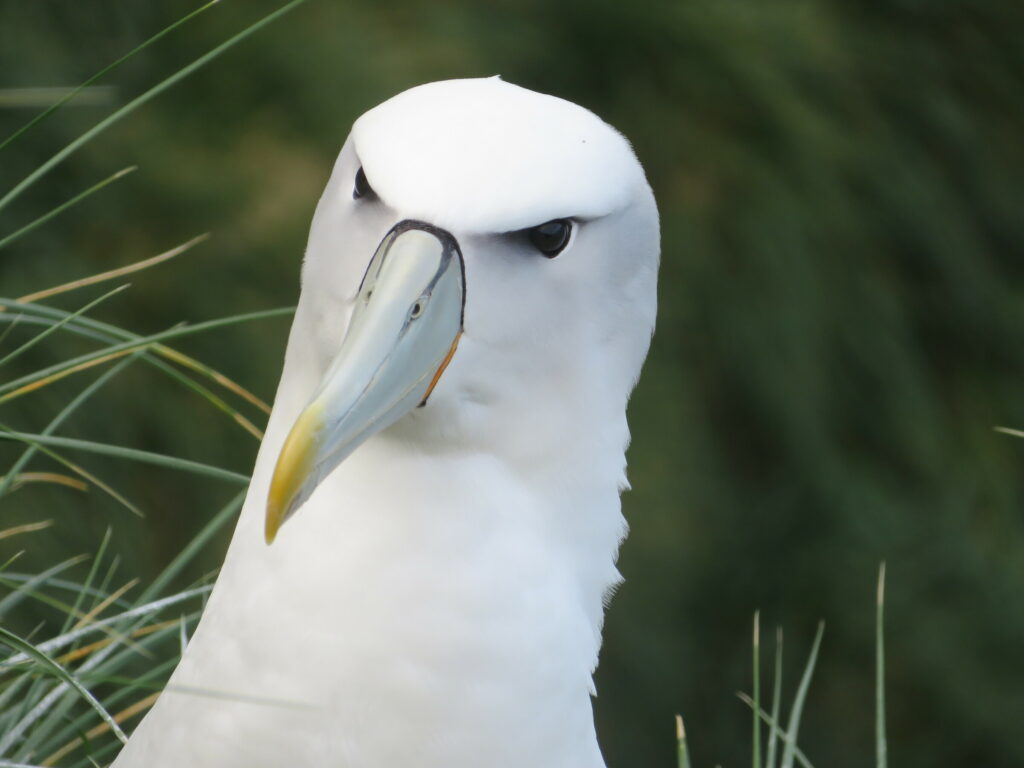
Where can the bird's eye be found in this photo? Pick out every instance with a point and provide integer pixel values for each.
(551, 237)
(418, 307)
(361, 187)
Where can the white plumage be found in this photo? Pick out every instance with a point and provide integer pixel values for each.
(437, 600)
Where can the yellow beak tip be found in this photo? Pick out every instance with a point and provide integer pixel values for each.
(277, 504)
(292, 470)
(270, 533)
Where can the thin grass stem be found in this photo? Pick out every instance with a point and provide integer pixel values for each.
(46, 478)
(776, 700)
(93, 733)
(97, 609)
(110, 67)
(183, 558)
(796, 712)
(131, 454)
(65, 205)
(80, 471)
(58, 325)
(12, 736)
(89, 579)
(91, 648)
(67, 638)
(756, 751)
(113, 274)
(169, 370)
(26, 456)
(106, 333)
(772, 723)
(138, 101)
(50, 374)
(46, 599)
(63, 584)
(27, 589)
(15, 530)
(881, 746)
(682, 750)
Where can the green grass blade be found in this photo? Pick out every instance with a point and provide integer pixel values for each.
(138, 101)
(11, 325)
(131, 454)
(89, 477)
(682, 750)
(65, 205)
(89, 579)
(12, 736)
(50, 703)
(58, 325)
(182, 637)
(198, 541)
(43, 376)
(11, 560)
(772, 723)
(98, 668)
(65, 412)
(798, 701)
(28, 588)
(15, 709)
(109, 334)
(776, 700)
(169, 370)
(110, 67)
(40, 685)
(58, 643)
(45, 725)
(112, 274)
(104, 585)
(51, 740)
(27, 97)
(73, 587)
(63, 742)
(881, 746)
(105, 672)
(104, 755)
(13, 689)
(756, 756)
(217, 402)
(63, 607)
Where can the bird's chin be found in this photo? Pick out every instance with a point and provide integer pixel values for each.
(446, 422)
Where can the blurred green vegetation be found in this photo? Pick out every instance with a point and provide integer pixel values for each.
(841, 324)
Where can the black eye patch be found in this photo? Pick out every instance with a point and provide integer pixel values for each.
(550, 238)
(361, 187)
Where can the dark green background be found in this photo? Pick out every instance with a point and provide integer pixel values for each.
(841, 324)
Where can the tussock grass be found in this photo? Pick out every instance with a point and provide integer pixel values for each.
(67, 692)
(788, 735)
(62, 700)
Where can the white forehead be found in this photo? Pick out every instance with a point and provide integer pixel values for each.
(484, 155)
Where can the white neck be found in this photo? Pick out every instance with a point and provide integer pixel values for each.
(438, 610)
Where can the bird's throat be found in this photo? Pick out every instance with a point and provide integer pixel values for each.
(440, 594)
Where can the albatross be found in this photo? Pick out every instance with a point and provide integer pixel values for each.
(419, 573)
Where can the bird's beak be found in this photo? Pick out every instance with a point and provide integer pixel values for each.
(403, 332)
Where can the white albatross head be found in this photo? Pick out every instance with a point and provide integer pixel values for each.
(483, 251)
